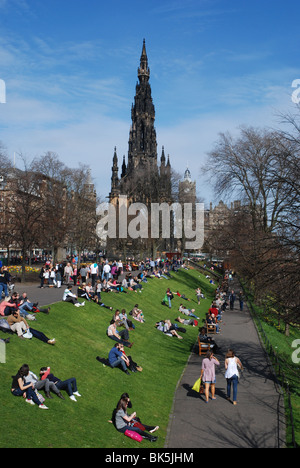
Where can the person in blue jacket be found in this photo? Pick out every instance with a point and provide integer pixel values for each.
(117, 359)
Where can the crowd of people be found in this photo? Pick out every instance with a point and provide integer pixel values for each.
(79, 286)
(90, 283)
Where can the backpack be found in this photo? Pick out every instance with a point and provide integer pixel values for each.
(4, 327)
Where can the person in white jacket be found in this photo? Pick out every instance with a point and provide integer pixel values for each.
(70, 297)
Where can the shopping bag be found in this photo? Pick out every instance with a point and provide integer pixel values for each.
(196, 385)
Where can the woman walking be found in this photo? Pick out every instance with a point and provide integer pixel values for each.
(208, 374)
(232, 374)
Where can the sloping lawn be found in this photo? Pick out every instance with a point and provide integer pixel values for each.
(80, 335)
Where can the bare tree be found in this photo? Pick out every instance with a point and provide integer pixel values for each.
(26, 209)
(55, 203)
(262, 167)
(81, 214)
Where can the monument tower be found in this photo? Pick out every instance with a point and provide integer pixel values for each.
(141, 178)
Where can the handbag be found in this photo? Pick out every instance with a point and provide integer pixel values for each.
(138, 424)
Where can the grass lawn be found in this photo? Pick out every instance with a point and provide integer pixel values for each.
(80, 335)
(287, 351)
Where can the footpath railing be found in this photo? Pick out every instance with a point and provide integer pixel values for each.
(276, 364)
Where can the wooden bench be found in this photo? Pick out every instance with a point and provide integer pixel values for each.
(203, 347)
(210, 328)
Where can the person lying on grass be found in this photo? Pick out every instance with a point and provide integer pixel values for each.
(177, 293)
(166, 327)
(70, 385)
(19, 325)
(189, 312)
(187, 321)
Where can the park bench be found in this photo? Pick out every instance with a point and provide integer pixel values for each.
(210, 328)
(203, 347)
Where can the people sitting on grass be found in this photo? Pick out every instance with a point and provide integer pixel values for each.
(160, 273)
(83, 293)
(166, 327)
(134, 284)
(27, 308)
(20, 388)
(124, 422)
(142, 276)
(189, 312)
(137, 314)
(150, 429)
(120, 319)
(115, 286)
(125, 321)
(105, 288)
(69, 385)
(119, 336)
(7, 307)
(70, 297)
(19, 325)
(117, 359)
(39, 385)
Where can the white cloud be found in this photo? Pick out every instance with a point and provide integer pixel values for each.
(64, 98)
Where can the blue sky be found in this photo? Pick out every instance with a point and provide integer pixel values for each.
(70, 69)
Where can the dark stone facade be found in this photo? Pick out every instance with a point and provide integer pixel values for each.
(141, 179)
(142, 150)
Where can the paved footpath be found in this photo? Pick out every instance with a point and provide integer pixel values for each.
(44, 296)
(257, 421)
